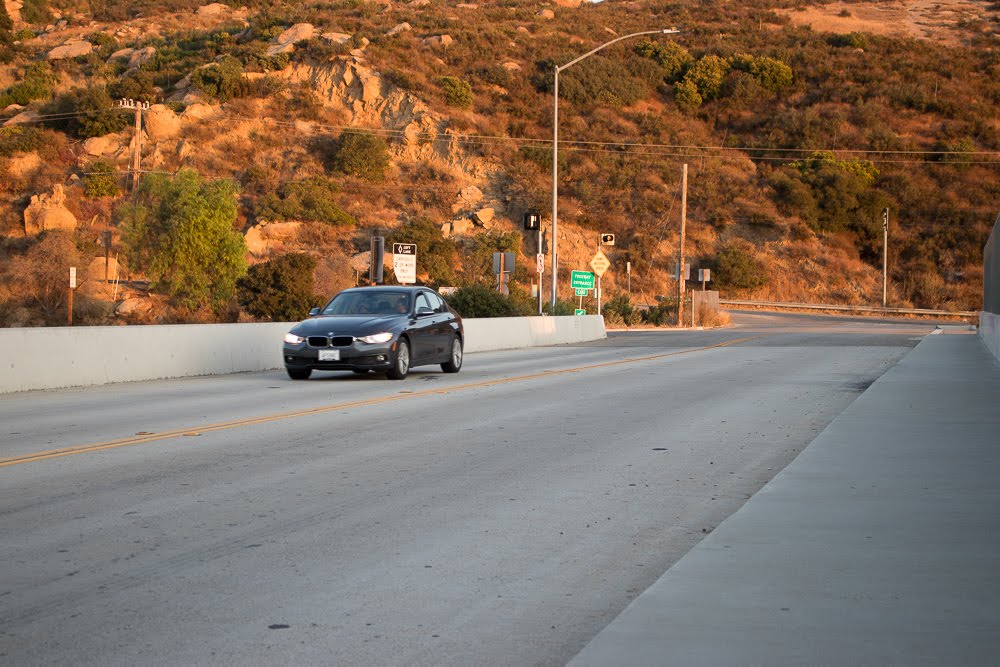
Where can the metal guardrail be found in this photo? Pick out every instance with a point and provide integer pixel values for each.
(850, 309)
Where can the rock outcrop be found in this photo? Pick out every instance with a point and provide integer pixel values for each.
(161, 123)
(286, 41)
(71, 49)
(48, 211)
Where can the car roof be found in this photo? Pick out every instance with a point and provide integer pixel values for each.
(387, 288)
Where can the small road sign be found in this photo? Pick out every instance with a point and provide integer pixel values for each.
(540, 263)
(581, 280)
(607, 239)
(580, 311)
(404, 262)
(582, 292)
(600, 263)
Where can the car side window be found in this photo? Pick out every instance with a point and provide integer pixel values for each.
(422, 302)
(437, 303)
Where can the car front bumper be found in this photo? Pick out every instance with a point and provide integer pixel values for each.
(356, 357)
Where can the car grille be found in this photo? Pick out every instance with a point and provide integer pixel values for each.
(335, 341)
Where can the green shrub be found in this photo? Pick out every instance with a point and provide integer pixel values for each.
(36, 84)
(180, 233)
(136, 85)
(86, 112)
(20, 139)
(101, 180)
(457, 93)
(221, 81)
(618, 311)
(309, 200)
(686, 95)
(360, 154)
(670, 55)
(36, 12)
(772, 74)
(707, 76)
(280, 289)
(481, 301)
(736, 268)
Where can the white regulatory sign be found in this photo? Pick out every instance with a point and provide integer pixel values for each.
(404, 262)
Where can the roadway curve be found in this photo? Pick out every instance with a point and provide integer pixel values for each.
(503, 515)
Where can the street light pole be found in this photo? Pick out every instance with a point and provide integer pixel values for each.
(555, 144)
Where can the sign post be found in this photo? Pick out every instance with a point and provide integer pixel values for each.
(69, 304)
(600, 264)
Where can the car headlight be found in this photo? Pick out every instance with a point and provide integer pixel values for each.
(376, 338)
(292, 339)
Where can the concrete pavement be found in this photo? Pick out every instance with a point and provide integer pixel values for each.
(878, 545)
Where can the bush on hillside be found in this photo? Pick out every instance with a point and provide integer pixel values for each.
(737, 268)
(86, 112)
(481, 301)
(101, 180)
(309, 200)
(280, 289)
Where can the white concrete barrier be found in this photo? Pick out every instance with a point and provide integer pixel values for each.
(50, 358)
(989, 331)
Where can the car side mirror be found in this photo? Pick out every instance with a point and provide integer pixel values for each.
(313, 312)
(424, 311)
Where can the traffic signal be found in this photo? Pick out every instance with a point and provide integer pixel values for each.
(532, 219)
(607, 239)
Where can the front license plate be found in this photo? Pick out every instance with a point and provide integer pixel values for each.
(329, 355)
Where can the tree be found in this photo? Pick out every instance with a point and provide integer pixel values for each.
(86, 112)
(221, 81)
(181, 234)
(707, 76)
(280, 289)
(673, 57)
(43, 274)
(481, 301)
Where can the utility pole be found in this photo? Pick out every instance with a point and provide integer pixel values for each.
(885, 253)
(680, 266)
(136, 138)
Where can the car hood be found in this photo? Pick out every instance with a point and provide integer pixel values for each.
(353, 325)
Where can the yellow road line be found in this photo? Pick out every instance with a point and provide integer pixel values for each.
(143, 438)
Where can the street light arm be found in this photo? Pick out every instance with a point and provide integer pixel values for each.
(669, 31)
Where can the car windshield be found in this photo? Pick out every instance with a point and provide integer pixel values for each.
(368, 303)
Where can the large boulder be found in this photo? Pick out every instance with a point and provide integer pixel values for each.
(439, 40)
(214, 9)
(71, 49)
(162, 123)
(286, 41)
(98, 146)
(48, 211)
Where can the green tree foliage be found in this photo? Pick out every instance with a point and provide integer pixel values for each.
(736, 268)
(309, 200)
(478, 257)
(619, 311)
(670, 55)
(707, 75)
(481, 301)
(101, 180)
(772, 74)
(436, 255)
(280, 289)
(360, 154)
(601, 80)
(35, 84)
(457, 93)
(86, 112)
(686, 95)
(181, 234)
(222, 82)
(136, 85)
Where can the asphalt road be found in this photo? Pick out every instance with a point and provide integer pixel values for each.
(500, 516)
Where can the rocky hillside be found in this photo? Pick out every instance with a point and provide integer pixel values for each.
(800, 125)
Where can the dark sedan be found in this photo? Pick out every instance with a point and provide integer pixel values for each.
(381, 329)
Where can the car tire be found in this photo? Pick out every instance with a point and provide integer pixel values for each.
(401, 361)
(454, 363)
(298, 373)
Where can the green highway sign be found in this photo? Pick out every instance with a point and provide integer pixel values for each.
(580, 311)
(582, 292)
(582, 280)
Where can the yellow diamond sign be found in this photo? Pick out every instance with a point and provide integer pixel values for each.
(600, 263)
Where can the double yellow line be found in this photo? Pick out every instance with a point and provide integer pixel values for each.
(142, 438)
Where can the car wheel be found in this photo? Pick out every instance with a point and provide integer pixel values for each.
(454, 363)
(299, 373)
(401, 363)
